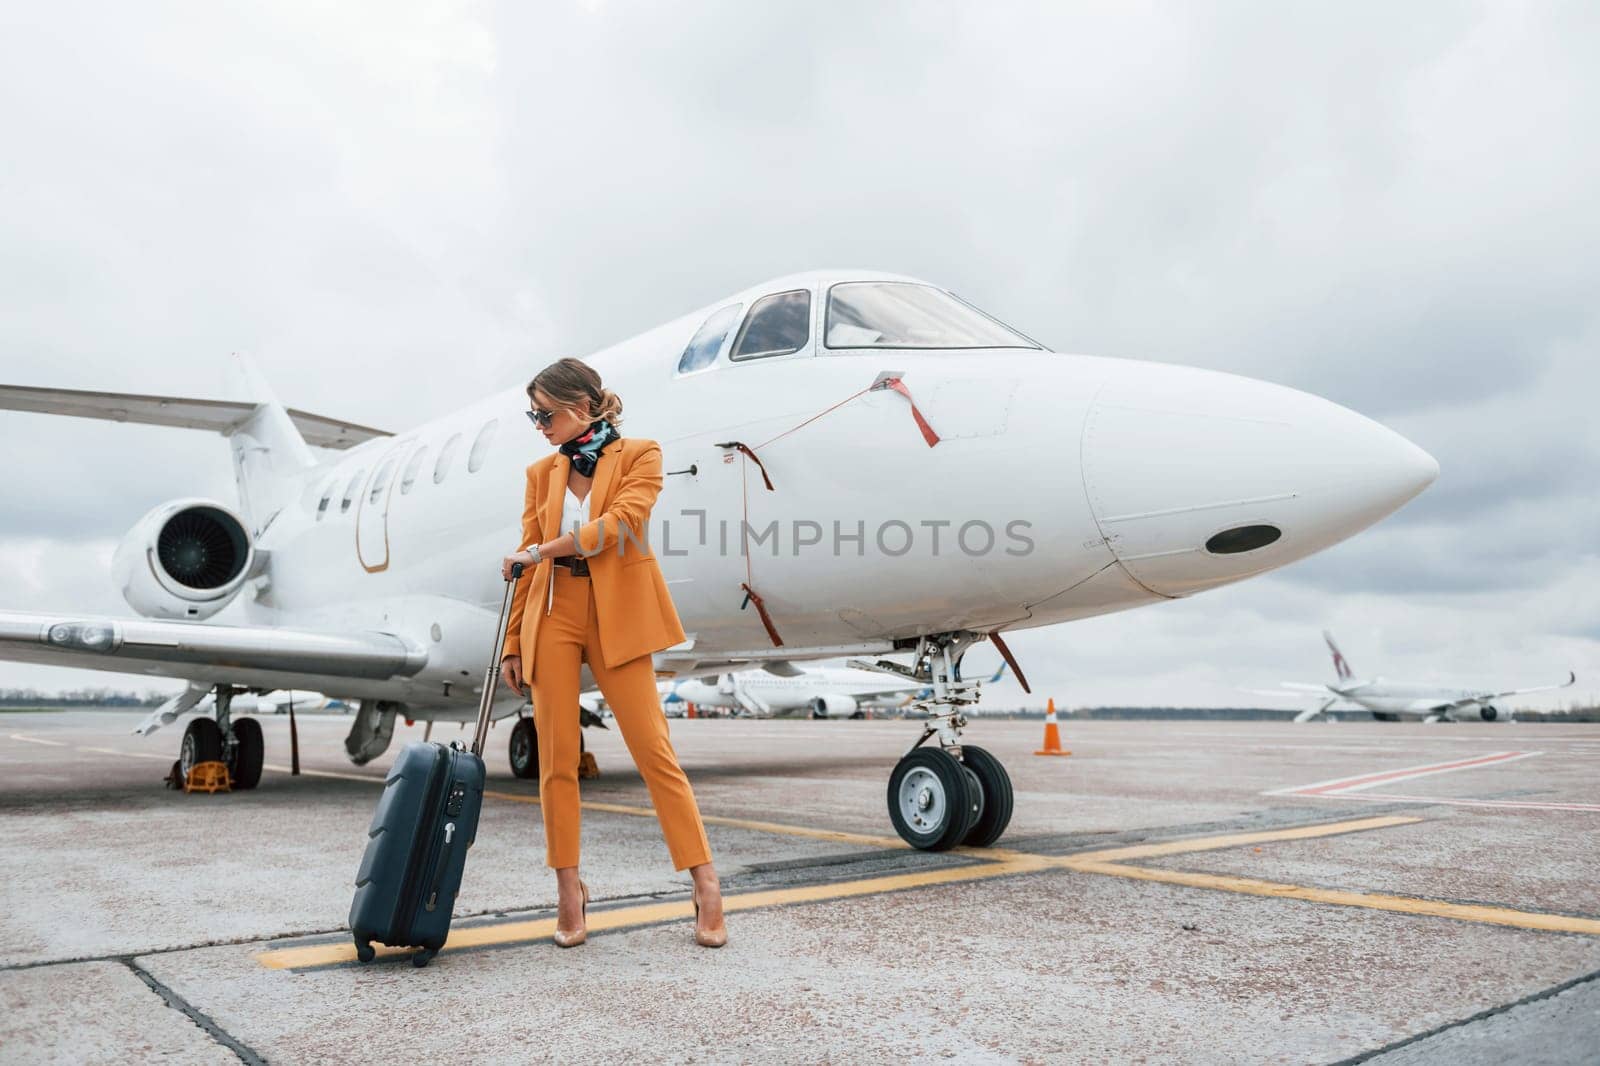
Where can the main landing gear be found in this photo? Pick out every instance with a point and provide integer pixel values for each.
(955, 793)
(238, 743)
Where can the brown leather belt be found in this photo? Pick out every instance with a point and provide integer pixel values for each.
(576, 563)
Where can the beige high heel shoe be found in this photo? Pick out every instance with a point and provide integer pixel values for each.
(565, 939)
(708, 938)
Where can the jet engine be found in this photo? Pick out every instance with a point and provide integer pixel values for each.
(1488, 712)
(827, 706)
(185, 560)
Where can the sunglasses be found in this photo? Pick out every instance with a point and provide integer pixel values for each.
(542, 419)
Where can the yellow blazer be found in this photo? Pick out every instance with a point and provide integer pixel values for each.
(636, 614)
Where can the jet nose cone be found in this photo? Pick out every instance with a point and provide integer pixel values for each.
(1198, 478)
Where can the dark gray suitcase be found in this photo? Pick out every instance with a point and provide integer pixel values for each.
(417, 843)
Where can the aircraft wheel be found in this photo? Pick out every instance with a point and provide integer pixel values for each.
(1385, 717)
(932, 800)
(995, 784)
(248, 753)
(524, 749)
(202, 742)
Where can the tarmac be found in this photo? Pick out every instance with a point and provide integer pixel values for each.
(1196, 892)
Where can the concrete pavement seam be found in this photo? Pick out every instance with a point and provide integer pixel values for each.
(1482, 1015)
(195, 1015)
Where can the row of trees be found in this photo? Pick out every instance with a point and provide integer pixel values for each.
(105, 697)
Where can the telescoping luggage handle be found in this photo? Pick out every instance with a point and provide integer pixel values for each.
(490, 675)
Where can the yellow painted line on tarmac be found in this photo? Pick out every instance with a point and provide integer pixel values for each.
(1553, 923)
(834, 835)
(366, 779)
(998, 862)
(38, 740)
(506, 933)
(1238, 840)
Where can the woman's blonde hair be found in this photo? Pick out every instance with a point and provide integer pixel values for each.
(573, 383)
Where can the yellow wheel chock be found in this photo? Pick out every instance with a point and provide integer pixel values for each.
(209, 777)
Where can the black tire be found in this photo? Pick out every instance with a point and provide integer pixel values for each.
(202, 742)
(1385, 717)
(248, 753)
(997, 796)
(931, 800)
(525, 733)
(524, 750)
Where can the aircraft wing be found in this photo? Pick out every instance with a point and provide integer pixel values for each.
(220, 416)
(255, 656)
(1572, 679)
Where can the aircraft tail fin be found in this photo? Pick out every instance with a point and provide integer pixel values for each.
(269, 454)
(1341, 665)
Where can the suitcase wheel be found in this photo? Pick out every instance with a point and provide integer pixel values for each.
(423, 957)
(364, 951)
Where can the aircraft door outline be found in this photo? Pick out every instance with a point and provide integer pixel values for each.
(372, 518)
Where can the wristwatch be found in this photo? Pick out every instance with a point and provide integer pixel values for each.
(533, 549)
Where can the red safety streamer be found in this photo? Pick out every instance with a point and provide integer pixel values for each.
(1005, 653)
(761, 609)
(750, 594)
(746, 449)
(922, 423)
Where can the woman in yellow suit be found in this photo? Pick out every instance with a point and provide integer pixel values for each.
(596, 594)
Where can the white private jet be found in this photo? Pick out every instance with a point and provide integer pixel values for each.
(818, 433)
(1390, 701)
(822, 692)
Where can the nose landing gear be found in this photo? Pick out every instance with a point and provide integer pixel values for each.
(956, 793)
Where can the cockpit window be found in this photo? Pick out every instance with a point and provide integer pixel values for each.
(897, 314)
(703, 349)
(777, 325)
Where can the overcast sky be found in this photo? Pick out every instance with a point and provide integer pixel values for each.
(398, 207)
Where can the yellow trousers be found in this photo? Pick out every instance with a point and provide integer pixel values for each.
(568, 636)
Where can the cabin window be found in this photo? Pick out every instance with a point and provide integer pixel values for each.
(703, 348)
(413, 467)
(897, 314)
(351, 489)
(441, 469)
(480, 447)
(777, 325)
(327, 497)
(380, 481)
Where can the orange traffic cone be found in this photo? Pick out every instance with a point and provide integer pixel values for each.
(1052, 733)
(688, 710)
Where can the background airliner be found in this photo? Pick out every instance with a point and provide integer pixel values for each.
(1390, 701)
(821, 692)
(372, 574)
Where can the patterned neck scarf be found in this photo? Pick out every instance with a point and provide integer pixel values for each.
(584, 450)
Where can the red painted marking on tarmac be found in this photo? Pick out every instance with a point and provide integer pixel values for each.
(1341, 785)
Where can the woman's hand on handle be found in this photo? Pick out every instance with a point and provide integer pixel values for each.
(525, 558)
(511, 673)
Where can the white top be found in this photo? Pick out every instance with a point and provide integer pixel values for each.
(574, 512)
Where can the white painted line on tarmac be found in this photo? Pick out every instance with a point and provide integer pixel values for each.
(1340, 786)
(1525, 805)
(39, 740)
